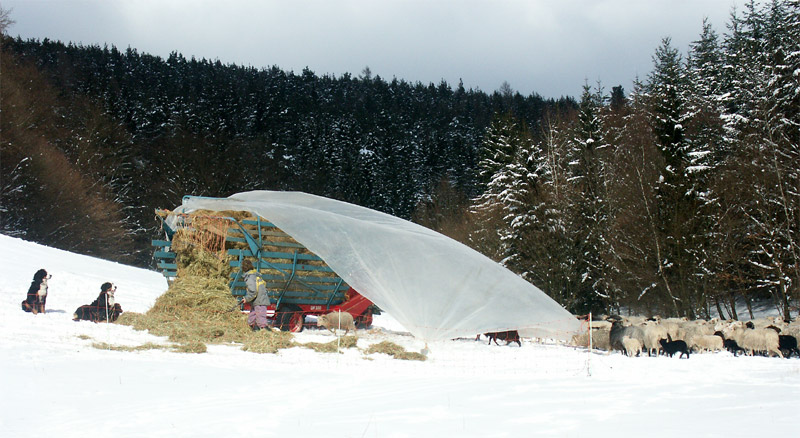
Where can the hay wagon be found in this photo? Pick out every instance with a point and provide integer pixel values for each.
(298, 281)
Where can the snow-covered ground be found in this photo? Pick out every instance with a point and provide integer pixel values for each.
(53, 383)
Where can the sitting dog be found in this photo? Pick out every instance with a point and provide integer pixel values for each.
(36, 299)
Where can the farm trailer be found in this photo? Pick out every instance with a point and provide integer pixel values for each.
(299, 282)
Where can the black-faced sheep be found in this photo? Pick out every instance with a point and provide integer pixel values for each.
(334, 320)
(508, 336)
(754, 340)
(672, 347)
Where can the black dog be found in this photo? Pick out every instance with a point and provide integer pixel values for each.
(509, 336)
(37, 293)
(672, 347)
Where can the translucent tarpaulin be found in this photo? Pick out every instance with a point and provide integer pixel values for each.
(435, 287)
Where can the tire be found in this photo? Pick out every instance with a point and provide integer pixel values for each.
(291, 319)
(364, 320)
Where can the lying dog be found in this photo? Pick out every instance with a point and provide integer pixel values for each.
(104, 308)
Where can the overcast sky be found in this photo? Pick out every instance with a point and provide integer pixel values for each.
(537, 46)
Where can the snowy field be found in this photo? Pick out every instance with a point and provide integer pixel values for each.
(53, 383)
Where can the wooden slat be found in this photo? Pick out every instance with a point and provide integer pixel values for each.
(161, 243)
(164, 255)
(262, 223)
(172, 266)
(266, 243)
(271, 255)
(303, 278)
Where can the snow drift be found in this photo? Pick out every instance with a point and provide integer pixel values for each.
(435, 287)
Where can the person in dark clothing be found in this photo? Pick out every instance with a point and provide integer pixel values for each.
(37, 293)
(104, 308)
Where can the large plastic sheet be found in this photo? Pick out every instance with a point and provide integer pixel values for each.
(435, 287)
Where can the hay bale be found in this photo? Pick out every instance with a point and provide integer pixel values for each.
(600, 339)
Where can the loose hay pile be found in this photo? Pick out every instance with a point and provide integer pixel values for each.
(394, 350)
(332, 346)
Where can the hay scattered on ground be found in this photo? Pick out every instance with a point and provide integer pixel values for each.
(146, 346)
(267, 341)
(332, 346)
(392, 349)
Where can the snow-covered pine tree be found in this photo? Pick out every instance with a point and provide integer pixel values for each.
(677, 204)
(705, 150)
(498, 172)
(587, 207)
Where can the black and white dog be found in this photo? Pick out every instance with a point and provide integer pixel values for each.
(36, 299)
(104, 308)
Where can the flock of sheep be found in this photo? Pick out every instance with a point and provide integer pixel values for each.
(634, 336)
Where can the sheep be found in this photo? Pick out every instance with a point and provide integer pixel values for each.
(652, 333)
(761, 323)
(752, 340)
(632, 346)
(508, 336)
(334, 320)
(706, 343)
(729, 344)
(672, 327)
(788, 345)
(620, 329)
(671, 347)
(691, 329)
(792, 329)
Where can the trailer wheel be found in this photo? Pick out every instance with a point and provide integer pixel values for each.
(292, 319)
(364, 320)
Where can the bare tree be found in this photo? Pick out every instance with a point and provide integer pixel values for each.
(5, 20)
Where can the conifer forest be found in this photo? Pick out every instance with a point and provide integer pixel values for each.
(678, 197)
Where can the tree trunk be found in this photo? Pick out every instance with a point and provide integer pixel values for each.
(732, 300)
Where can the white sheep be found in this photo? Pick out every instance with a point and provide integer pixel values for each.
(633, 346)
(706, 343)
(653, 332)
(334, 320)
(752, 340)
(691, 329)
